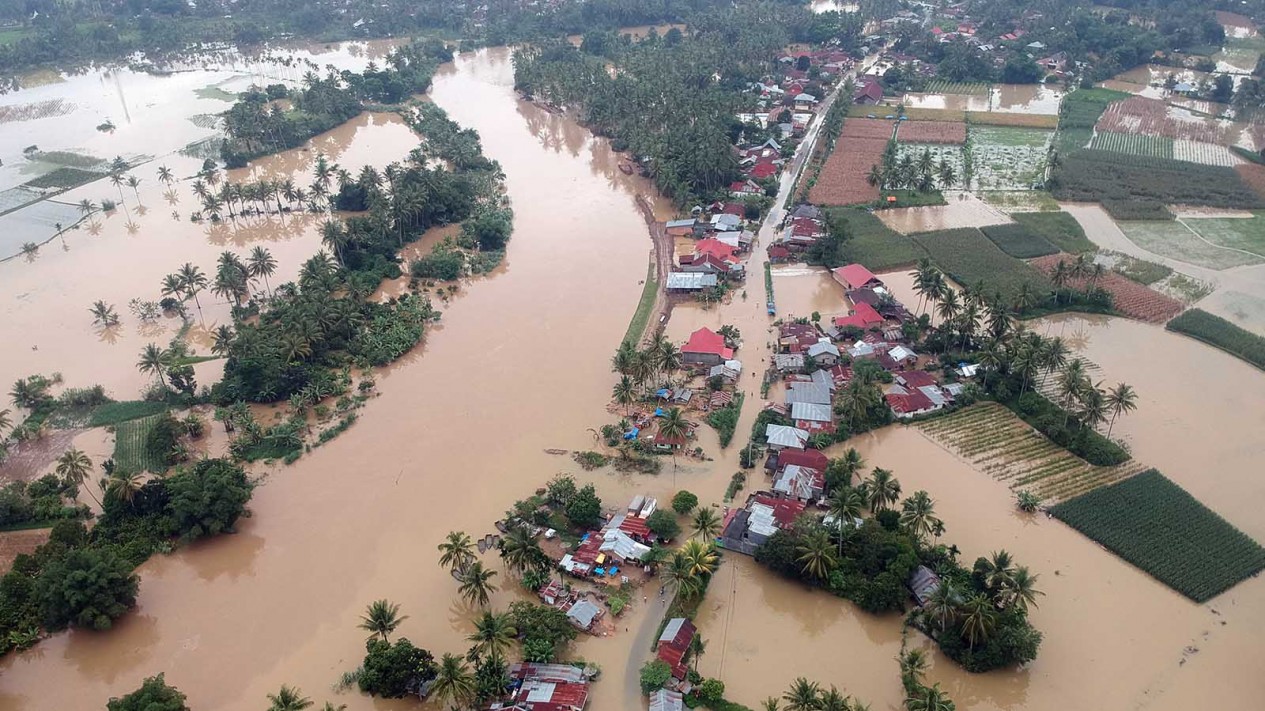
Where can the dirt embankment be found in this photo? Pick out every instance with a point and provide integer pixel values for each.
(664, 251)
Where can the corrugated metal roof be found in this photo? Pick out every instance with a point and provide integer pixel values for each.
(690, 280)
(808, 392)
(665, 700)
(810, 411)
(583, 613)
(783, 436)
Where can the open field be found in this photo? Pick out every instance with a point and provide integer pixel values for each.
(1127, 296)
(947, 152)
(931, 132)
(35, 110)
(1220, 333)
(1151, 117)
(1245, 233)
(867, 128)
(913, 113)
(1005, 447)
(940, 86)
(842, 178)
(1020, 201)
(1133, 143)
(1007, 158)
(1059, 228)
(969, 257)
(961, 210)
(1175, 240)
(1006, 118)
(1154, 524)
(1094, 175)
(131, 453)
(1018, 241)
(874, 244)
(1079, 113)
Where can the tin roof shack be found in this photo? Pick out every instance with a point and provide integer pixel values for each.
(583, 613)
(674, 645)
(802, 483)
(667, 700)
(783, 437)
(923, 583)
(546, 687)
(765, 514)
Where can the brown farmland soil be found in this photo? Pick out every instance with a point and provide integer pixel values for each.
(1001, 118)
(842, 178)
(1254, 175)
(1129, 297)
(866, 128)
(15, 543)
(1151, 117)
(932, 132)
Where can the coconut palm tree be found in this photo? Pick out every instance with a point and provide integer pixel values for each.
(622, 361)
(929, 698)
(1020, 590)
(678, 577)
(942, 605)
(494, 632)
(134, 182)
(223, 340)
(845, 506)
(979, 619)
(996, 570)
(802, 696)
(154, 360)
(288, 699)
(949, 306)
(73, 466)
(1120, 399)
(521, 550)
(706, 523)
(918, 516)
(165, 175)
(673, 428)
(116, 179)
(457, 551)
(381, 618)
(122, 486)
(86, 207)
(771, 704)
(856, 399)
(881, 489)
(454, 683)
(5, 420)
(832, 700)
(476, 584)
(260, 264)
(913, 664)
(624, 392)
(103, 314)
(816, 555)
(700, 556)
(194, 281)
(335, 237)
(1093, 409)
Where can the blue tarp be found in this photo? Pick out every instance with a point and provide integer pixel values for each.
(658, 412)
(633, 434)
(663, 392)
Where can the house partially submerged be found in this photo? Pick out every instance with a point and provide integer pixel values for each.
(546, 687)
(687, 282)
(674, 645)
(783, 437)
(667, 700)
(706, 347)
(802, 483)
(745, 529)
(923, 583)
(855, 276)
(583, 613)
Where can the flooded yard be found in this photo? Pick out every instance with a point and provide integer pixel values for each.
(963, 210)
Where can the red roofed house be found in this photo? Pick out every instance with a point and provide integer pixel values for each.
(542, 695)
(764, 168)
(675, 643)
(732, 208)
(715, 248)
(863, 316)
(796, 337)
(636, 527)
(778, 253)
(706, 347)
(908, 405)
(916, 379)
(748, 187)
(869, 93)
(855, 276)
(809, 458)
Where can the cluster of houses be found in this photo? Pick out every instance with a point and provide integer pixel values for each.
(803, 226)
(585, 614)
(721, 239)
(618, 546)
(546, 687)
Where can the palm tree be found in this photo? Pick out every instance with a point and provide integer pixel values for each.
(949, 306)
(457, 551)
(381, 618)
(673, 428)
(913, 664)
(334, 236)
(493, 633)
(845, 506)
(856, 399)
(1025, 298)
(875, 177)
(194, 281)
(802, 696)
(706, 523)
(520, 550)
(164, 175)
(700, 556)
(946, 175)
(979, 618)
(942, 606)
(622, 361)
(816, 555)
(73, 465)
(116, 179)
(1094, 408)
(154, 360)
(103, 314)
(929, 698)
(223, 336)
(5, 421)
(288, 699)
(261, 264)
(918, 516)
(832, 700)
(1021, 589)
(123, 486)
(476, 584)
(624, 392)
(134, 182)
(454, 682)
(678, 577)
(772, 704)
(1120, 399)
(86, 207)
(996, 570)
(882, 489)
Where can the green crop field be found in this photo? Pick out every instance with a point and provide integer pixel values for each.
(1133, 143)
(969, 257)
(939, 86)
(1154, 524)
(1245, 233)
(115, 412)
(1173, 239)
(130, 451)
(874, 244)
(1059, 228)
(1220, 333)
(1007, 157)
(1019, 241)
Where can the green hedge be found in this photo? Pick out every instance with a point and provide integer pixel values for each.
(1018, 241)
(1154, 524)
(1218, 332)
(1137, 210)
(1058, 228)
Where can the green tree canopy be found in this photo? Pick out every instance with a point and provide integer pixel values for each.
(87, 587)
(154, 695)
(208, 498)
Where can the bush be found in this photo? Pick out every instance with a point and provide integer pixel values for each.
(1220, 333)
(725, 419)
(542, 628)
(684, 502)
(711, 691)
(442, 264)
(209, 498)
(1137, 210)
(394, 670)
(87, 587)
(154, 695)
(584, 510)
(655, 674)
(663, 524)
(1067, 432)
(1018, 241)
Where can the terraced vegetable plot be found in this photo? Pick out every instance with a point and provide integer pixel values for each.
(1154, 524)
(931, 132)
(1127, 296)
(940, 86)
(951, 154)
(1003, 446)
(1007, 157)
(130, 451)
(1133, 144)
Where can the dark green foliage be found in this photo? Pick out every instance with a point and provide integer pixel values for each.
(857, 236)
(44, 500)
(584, 510)
(154, 695)
(1067, 432)
(1094, 175)
(87, 587)
(160, 441)
(663, 524)
(116, 412)
(444, 263)
(1018, 241)
(725, 419)
(1222, 334)
(1013, 642)
(132, 446)
(541, 628)
(254, 129)
(969, 257)
(1058, 228)
(1154, 524)
(394, 670)
(208, 498)
(489, 229)
(1137, 209)
(684, 502)
(1078, 113)
(655, 674)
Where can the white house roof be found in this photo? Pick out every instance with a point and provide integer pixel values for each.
(901, 353)
(783, 436)
(796, 481)
(788, 361)
(861, 349)
(690, 280)
(969, 370)
(821, 348)
(583, 613)
(810, 411)
(934, 394)
(681, 223)
(665, 700)
(621, 544)
(726, 220)
(808, 392)
(805, 97)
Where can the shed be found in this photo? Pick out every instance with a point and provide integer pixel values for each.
(583, 613)
(782, 437)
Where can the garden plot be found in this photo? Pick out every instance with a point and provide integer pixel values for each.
(1242, 233)
(1175, 240)
(1133, 144)
(1006, 448)
(932, 132)
(1008, 158)
(950, 154)
(962, 210)
(1204, 153)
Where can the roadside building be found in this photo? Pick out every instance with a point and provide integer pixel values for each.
(783, 437)
(706, 347)
(745, 529)
(855, 276)
(674, 645)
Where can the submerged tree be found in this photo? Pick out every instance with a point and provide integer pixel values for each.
(381, 618)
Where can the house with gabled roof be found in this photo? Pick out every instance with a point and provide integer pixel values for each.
(706, 347)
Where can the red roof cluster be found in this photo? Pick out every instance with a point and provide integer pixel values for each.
(863, 316)
(673, 650)
(853, 276)
(715, 248)
(915, 401)
(917, 378)
(707, 341)
(785, 511)
(635, 527)
(810, 458)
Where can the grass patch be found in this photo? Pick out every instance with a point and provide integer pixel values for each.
(63, 178)
(70, 159)
(969, 257)
(1018, 241)
(113, 413)
(195, 359)
(940, 86)
(642, 315)
(1122, 210)
(1140, 270)
(1059, 228)
(1078, 113)
(1220, 333)
(872, 243)
(1012, 201)
(216, 93)
(1245, 233)
(1175, 240)
(131, 446)
(725, 419)
(1154, 524)
(912, 198)
(911, 113)
(1098, 176)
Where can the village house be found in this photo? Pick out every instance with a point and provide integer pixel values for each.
(862, 316)
(801, 483)
(824, 353)
(855, 276)
(667, 700)
(684, 228)
(583, 613)
(689, 282)
(923, 583)
(810, 392)
(810, 458)
(788, 362)
(725, 221)
(868, 92)
(812, 417)
(729, 371)
(674, 645)
(797, 337)
(744, 188)
(706, 347)
(746, 529)
(784, 437)
(546, 687)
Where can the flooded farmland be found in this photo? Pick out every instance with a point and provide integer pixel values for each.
(1002, 98)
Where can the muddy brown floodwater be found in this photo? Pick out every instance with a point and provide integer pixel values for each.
(456, 436)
